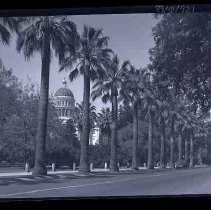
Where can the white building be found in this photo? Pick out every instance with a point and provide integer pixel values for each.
(64, 103)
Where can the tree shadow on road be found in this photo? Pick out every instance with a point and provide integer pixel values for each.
(33, 180)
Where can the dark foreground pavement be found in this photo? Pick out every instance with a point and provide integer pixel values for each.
(158, 182)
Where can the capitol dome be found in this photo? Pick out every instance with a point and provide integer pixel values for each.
(64, 102)
(64, 92)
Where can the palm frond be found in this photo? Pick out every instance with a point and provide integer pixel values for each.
(73, 74)
(96, 93)
(4, 34)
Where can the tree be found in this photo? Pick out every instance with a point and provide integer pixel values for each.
(45, 34)
(125, 114)
(62, 144)
(108, 88)
(91, 56)
(177, 109)
(20, 126)
(163, 118)
(161, 90)
(26, 117)
(194, 127)
(132, 93)
(181, 55)
(151, 104)
(180, 127)
(9, 92)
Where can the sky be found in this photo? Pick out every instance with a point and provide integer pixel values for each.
(130, 38)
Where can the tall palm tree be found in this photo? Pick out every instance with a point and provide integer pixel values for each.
(182, 124)
(163, 113)
(90, 56)
(194, 125)
(45, 34)
(185, 131)
(180, 128)
(151, 104)
(176, 111)
(191, 148)
(132, 93)
(151, 110)
(174, 117)
(109, 87)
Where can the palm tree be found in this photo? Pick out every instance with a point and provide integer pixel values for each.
(180, 128)
(172, 138)
(151, 104)
(176, 112)
(44, 34)
(191, 148)
(109, 87)
(91, 56)
(151, 109)
(104, 121)
(194, 125)
(132, 93)
(186, 136)
(174, 116)
(162, 118)
(161, 91)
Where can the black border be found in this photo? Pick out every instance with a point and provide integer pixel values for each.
(83, 10)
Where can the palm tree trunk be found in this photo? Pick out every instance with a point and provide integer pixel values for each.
(150, 163)
(108, 136)
(186, 151)
(84, 161)
(172, 140)
(180, 145)
(100, 136)
(39, 166)
(163, 142)
(113, 162)
(80, 132)
(207, 151)
(191, 151)
(135, 137)
(200, 156)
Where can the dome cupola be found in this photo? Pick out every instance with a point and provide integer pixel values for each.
(64, 91)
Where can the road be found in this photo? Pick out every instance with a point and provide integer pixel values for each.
(165, 182)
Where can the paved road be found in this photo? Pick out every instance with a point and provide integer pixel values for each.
(168, 182)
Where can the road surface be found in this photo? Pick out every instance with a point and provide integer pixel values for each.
(164, 182)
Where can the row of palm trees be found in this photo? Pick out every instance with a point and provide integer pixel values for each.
(88, 55)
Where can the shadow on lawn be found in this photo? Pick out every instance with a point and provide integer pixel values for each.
(58, 178)
(33, 180)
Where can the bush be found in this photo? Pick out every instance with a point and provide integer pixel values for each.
(181, 164)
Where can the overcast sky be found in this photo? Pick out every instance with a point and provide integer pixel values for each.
(130, 38)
